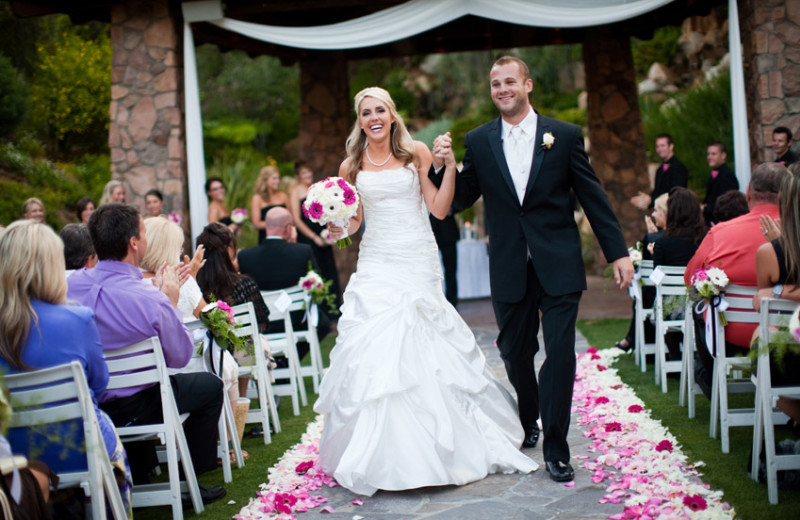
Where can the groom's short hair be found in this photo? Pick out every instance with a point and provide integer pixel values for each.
(523, 67)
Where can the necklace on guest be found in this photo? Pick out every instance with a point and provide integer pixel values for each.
(366, 150)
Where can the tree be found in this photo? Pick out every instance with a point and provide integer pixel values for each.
(13, 97)
(72, 89)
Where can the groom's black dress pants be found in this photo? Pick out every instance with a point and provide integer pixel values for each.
(518, 343)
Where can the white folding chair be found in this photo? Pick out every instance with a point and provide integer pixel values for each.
(640, 314)
(774, 319)
(670, 285)
(228, 436)
(141, 364)
(280, 306)
(58, 394)
(247, 325)
(727, 378)
(300, 300)
(689, 387)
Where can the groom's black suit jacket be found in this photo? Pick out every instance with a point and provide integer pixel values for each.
(544, 222)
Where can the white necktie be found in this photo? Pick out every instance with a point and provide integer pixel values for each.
(516, 160)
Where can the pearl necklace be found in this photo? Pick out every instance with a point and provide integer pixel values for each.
(373, 162)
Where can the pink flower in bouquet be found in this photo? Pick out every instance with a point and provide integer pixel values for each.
(613, 427)
(695, 502)
(342, 183)
(238, 215)
(284, 502)
(315, 211)
(635, 408)
(304, 210)
(174, 217)
(225, 307)
(601, 400)
(349, 196)
(699, 275)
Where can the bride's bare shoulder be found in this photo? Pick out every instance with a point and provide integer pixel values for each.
(344, 167)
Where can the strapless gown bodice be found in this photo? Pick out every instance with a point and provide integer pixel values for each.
(408, 400)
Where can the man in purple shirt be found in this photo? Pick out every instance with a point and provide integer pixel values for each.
(128, 311)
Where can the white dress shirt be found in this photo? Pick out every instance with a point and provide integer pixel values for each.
(518, 147)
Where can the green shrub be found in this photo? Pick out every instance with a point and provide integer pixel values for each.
(694, 118)
(13, 97)
(661, 48)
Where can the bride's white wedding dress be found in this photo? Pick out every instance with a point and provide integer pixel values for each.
(408, 400)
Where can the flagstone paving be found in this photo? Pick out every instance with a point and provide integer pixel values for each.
(508, 497)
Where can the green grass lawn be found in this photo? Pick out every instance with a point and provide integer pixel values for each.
(247, 479)
(727, 472)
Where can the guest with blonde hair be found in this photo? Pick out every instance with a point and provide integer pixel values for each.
(39, 330)
(267, 196)
(33, 209)
(114, 191)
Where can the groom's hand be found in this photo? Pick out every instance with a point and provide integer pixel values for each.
(623, 272)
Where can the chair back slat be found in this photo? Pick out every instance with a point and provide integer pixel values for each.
(135, 364)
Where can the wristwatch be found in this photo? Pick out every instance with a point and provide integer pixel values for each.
(777, 289)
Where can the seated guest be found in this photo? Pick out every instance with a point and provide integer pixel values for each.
(154, 203)
(722, 179)
(128, 311)
(84, 209)
(33, 209)
(778, 275)
(164, 245)
(78, 248)
(676, 246)
(732, 246)
(40, 330)
(655, 227)
(277, 263)
(730, 205)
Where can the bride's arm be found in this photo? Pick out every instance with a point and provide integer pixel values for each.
(437, 200)
(355, 222)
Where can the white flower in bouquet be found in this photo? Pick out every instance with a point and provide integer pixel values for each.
(636, 256)
(707, 282)
(332, 200)
(718, 277)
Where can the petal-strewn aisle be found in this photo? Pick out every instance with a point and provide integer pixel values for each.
(627, 466)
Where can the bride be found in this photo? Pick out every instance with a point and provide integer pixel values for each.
(408, 400)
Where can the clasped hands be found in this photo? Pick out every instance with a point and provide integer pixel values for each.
(443, 151)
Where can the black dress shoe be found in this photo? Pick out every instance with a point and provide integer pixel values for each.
(208, 495)
(531, 438)
(560, 471)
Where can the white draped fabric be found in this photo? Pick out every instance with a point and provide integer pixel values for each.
(406, 20)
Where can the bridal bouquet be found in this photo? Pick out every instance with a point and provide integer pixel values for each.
(319, 290)
(635, 252)
(707, 282)
(238, 216)
(332, 200)
(218, 318)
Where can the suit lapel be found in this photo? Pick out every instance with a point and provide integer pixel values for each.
(542, 127)
(496, 145)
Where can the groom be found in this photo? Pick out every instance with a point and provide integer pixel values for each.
(525, 166)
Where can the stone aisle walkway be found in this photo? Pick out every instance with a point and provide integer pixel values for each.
(507, 497)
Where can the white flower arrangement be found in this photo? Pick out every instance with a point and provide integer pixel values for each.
(238, 216)
(548, 140)
(332, 200)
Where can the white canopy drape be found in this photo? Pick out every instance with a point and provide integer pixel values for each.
(403, 21)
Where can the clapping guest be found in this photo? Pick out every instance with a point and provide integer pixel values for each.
(164, 246)
(78, 248)
(267, 195)
(84, 209)
(39, 330)
(33, 209)
(114, 191)
(778, 276)
(154, 203)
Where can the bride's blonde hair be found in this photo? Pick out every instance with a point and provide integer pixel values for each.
(401, 142)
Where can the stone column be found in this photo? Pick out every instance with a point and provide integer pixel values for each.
(615, 126)
(771, 53)
(146, 134)
(325, 119)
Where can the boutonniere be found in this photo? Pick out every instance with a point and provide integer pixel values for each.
(548, 140)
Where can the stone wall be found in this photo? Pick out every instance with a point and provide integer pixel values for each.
(615, 126)
(771, 52)
(325, 119)
(146, 134)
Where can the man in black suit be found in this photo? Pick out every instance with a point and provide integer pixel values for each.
(722, 179)
(279, 262)
(670, 173)
(446, 233)
(525, 166)
(782, 146)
